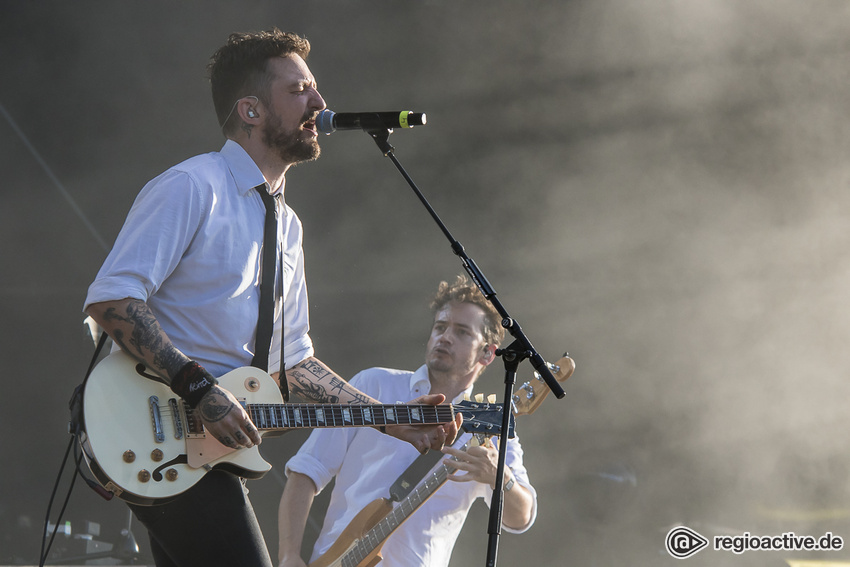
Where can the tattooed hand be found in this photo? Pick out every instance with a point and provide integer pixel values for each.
(225, 419)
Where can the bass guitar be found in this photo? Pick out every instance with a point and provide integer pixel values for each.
(146, 446)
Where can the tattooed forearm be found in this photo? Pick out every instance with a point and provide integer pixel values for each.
(302, 386)
(357, 397)
(315, 368)
(313, 381)
(146, 337)
(337, 384)
(147, 334)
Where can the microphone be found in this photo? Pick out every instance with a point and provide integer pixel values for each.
(329, 121)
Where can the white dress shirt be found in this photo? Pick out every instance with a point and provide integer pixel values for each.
(366, 463)
(191, 249)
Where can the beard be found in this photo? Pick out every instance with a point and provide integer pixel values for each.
(440, 361)
(438, 364)
(289, 144)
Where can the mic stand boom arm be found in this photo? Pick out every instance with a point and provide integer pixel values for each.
(381, 136)
(520, 349)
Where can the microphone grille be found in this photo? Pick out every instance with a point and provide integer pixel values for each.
(325, 121)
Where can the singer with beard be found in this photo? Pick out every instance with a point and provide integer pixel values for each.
(180, 290)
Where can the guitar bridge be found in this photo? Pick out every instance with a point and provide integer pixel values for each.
(175, 414)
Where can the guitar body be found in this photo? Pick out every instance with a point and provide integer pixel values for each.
(364, 521)
(148, 449)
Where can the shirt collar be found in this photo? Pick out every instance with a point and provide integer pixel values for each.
(419, 379)
(245, 172)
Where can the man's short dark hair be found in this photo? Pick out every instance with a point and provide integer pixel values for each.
(240, 68)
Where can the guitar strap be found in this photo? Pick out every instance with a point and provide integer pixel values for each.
(75, 404)
(414, 474)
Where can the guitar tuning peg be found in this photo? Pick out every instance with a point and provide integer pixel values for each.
(479, 398)
(491, 398)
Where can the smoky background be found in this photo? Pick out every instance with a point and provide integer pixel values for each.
(657, 187)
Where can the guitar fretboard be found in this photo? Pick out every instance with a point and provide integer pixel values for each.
(293, 416)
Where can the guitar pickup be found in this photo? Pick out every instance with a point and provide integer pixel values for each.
(156, 417)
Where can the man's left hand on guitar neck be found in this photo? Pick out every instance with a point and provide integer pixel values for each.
(424, 438)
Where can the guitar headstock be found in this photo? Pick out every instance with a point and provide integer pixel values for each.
(483, 417)
(528, 397)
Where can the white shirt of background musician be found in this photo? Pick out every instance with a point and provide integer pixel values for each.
(366, 463)
(190, 248)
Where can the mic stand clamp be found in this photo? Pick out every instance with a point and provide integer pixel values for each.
(374, 126)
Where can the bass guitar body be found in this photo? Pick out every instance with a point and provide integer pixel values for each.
(346, 546)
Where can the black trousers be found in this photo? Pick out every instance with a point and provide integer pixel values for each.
(212, 523)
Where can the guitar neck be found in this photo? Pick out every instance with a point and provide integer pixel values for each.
(376, 536)
(272, 417)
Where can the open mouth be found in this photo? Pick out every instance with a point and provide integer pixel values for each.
(310, 126)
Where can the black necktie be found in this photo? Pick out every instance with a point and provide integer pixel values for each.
(265, 320)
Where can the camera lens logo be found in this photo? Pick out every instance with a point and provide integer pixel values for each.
(683, 542)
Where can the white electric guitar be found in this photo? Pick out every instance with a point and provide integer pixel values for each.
(146, 446)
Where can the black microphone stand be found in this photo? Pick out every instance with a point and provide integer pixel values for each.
(520, 349)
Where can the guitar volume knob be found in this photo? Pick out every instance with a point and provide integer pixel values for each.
(144, 476)
(171, 474)
(129, 456)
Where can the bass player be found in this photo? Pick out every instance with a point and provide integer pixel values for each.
(464, 336)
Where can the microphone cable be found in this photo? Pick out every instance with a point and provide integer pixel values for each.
(46, 551)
